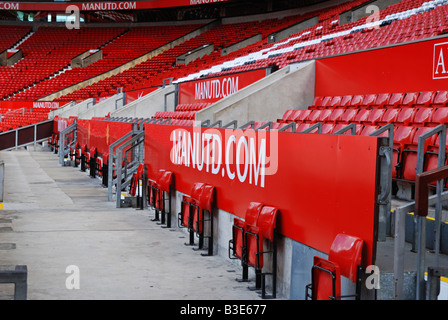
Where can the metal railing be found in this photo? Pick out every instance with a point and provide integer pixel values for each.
(67, 139)
(125, 155)
(27, 135)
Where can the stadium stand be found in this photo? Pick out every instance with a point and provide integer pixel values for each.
(153, 158)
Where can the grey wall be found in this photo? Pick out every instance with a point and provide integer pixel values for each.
(148, 105)
(267, 99)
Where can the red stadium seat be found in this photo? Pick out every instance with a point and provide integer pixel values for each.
(348, 116)
(193, 211)
(422, 116)
(395, 100)
(344, 259)
(356, 101)
(317, 102)
(163, 204)
(409, 154)
(237, 243)
(335, 102)
(409, 100)
(403, 135)
(425, 99)
(439, 116)
(405, 116)
(368, 101)
(259, 225)
(375, 116)
(381, 100)
(440, 99)
(390, 116)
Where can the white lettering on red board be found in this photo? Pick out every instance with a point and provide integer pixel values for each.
(440, 67)
(45, 104)
(125, 5)
(216, 89)
(9, 6)
(194, 2)
(244, 156)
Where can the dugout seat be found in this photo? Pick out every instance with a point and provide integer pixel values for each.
(193, 215)
(248, 240)
(344, 259)
(159, 195)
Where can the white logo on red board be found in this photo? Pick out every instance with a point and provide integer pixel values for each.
(440, 64)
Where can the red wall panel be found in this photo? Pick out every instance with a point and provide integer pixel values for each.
(402, 68)
(320, 191)
(101, 134)
(213, 89)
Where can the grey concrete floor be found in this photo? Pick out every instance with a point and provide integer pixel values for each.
(56, 217)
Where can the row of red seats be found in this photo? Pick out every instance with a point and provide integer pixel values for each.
(153, 71)
(425, 116)
(410, 121)
(181, 115)
(14, 120)
(192, 106)
(48, 51)
(384, 100)
(163, 68)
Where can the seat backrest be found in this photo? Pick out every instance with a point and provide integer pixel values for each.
(382, 99)
(324, 115)
(441, 98)
(406, 115)
(369, 99)
(390, 115)
(419, 132)
(410, 99)
(404, 134)
(440, 116)
(252, 213)
(197, 190)
(336, 114)
(295, 114)
(349, 115)
(314, 115)
(425, 98)
(368, 129)
(286, 115)
(396, 99)
(165, 181)
(423, 115)
(324, 272)
(206, 198)
(267, 222)
(336, 101)
(303, 115)
(346, 251)
(326, 102)
(362, 115)
(346, 100)
(317, 102)
(140, 168)
(357, 100)
(376, 115)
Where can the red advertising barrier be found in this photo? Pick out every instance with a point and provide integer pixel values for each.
(13, 105)
(322, 184)
(101, 134)
(412, 67)
(213, 89)
(101, 5)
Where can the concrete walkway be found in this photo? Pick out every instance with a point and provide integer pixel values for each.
(56, 217)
